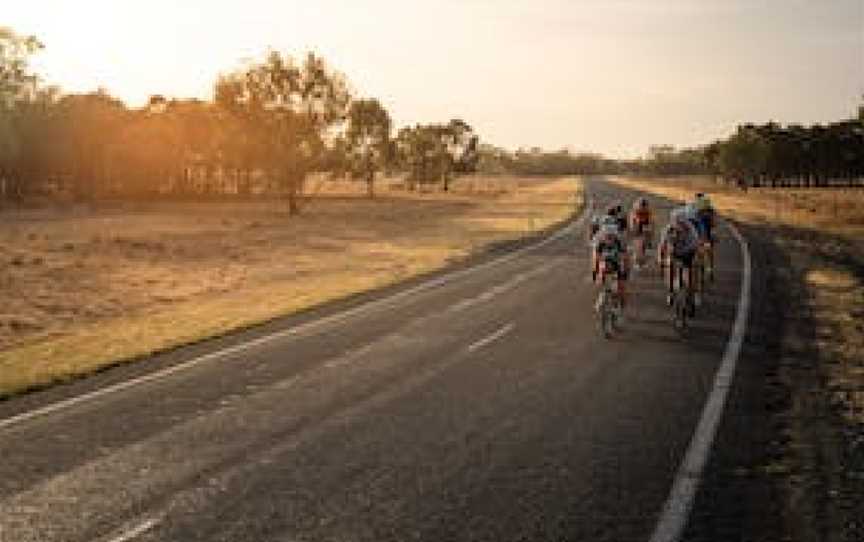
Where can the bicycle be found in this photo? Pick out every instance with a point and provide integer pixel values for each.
(641, 242)
(608, 305)
(683, 306)
(707, 248)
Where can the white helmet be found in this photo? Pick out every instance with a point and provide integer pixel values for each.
(608, 229)
(609, 221)
(678, 214)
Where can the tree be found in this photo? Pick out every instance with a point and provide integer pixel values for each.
(744, 155)
(17, 85)
(460, 147)
(420, 151)
(292, 109)
(89, 125)
(368, 139)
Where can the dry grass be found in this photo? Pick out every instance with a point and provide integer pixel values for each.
(84, 289)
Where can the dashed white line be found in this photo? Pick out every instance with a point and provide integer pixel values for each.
(135, 532)
(670, 526)
(504, 330)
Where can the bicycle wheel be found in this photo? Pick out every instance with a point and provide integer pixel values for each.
(710, 262)
(679, 303)
(681, 310)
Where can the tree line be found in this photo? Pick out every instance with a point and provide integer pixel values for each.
(754, 155)
(269, 126)
(772, 155)
(535, 161)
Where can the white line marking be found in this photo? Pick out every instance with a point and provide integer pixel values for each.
(135, 532)
(670, 526)
(297, 330)
(504, 330)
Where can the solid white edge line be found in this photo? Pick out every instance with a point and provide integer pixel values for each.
(673, 519)
(301, 328)
(492, 337)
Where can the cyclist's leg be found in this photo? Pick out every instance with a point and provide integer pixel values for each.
(697, 268)
(670, 264)
(709, 232)
(690, 263)
(622, 286)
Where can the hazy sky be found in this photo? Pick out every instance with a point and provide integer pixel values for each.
(613, 76)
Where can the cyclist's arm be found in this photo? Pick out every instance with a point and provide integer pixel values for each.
(663, 245)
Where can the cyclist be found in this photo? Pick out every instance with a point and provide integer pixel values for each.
(705, 225)
(609, 250)
(704, 210)
(621, 217)
(678, 245)
(614, 210)
(642, 224)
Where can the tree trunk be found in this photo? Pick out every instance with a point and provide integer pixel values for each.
(293, 183)
(370, 183)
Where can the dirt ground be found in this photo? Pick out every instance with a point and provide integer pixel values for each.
(84, 287)
(809, 247)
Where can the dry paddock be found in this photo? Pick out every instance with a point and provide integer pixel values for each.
(83, 287)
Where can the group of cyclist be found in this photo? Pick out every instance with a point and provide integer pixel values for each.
(687, 237)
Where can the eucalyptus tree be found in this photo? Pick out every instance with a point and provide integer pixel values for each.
(17, 85)
(459, 143)
(744, 154)
(293, 108)
(420, 149)
(90, 124)
(367, 139)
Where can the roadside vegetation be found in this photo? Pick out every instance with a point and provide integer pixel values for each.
(87, 289)
(128, 231)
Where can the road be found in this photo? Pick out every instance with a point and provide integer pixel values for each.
(484, 406)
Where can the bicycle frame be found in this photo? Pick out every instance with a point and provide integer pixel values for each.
(607, 302)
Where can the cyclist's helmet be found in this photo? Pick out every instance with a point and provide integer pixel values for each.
(609, 222)
(691, 211)
(608, 232)
(678, 215)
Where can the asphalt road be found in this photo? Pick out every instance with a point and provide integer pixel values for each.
(485, 407)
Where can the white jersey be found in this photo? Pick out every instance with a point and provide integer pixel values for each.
(682, 239)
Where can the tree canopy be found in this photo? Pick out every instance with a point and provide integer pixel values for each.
(270, 124)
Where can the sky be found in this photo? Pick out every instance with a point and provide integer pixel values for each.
(608, 76)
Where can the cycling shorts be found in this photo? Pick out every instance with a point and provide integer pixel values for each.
(642, 227)
(684, 259)
(613, 266)
(704, 226)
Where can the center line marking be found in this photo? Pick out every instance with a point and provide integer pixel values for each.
(504, 330)
(135, 532)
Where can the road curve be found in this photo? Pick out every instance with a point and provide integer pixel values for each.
(485, 407)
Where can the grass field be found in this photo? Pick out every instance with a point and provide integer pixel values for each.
(81, 289)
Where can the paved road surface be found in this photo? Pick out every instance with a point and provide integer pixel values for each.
(484, 408)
